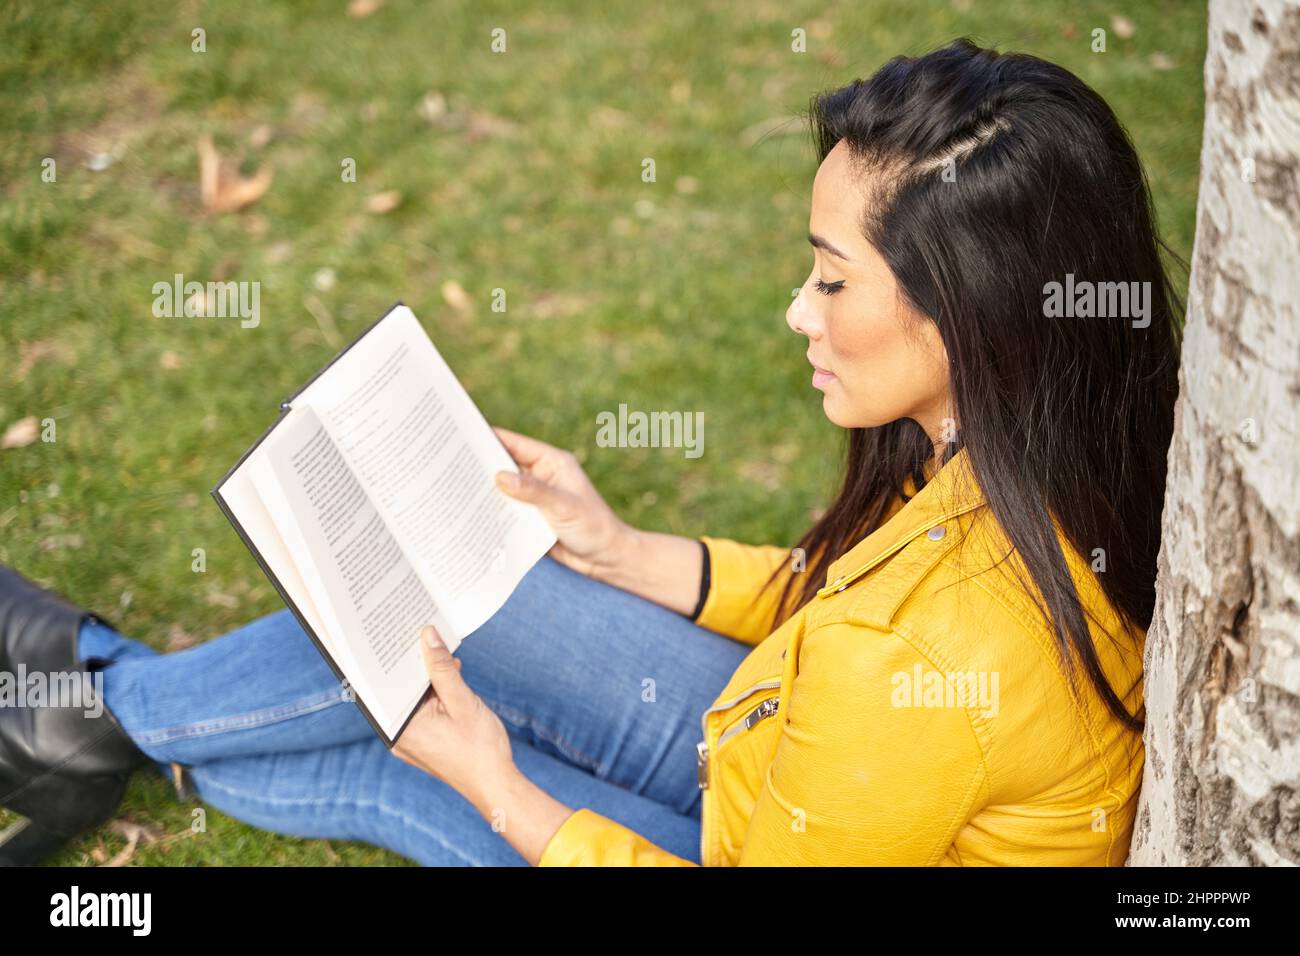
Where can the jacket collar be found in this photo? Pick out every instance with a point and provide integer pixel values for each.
(951, 492)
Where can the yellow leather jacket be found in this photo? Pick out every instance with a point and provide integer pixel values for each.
(916, 712)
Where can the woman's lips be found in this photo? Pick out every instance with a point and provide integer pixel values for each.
(821, 377)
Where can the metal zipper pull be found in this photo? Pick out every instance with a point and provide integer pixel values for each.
(702, 763)
(765, 709)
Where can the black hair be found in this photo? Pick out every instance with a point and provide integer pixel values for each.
(1002, 173)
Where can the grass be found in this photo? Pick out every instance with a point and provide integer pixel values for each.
(668, 294)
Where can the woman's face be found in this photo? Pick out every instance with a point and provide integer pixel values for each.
(876, 359)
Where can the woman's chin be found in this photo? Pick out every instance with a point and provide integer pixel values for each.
(835, 410)
(843, 414)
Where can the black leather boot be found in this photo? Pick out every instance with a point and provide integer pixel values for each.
(64, 768)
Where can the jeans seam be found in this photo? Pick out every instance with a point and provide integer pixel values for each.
(354, 803)
(571, 753)
(245, 721)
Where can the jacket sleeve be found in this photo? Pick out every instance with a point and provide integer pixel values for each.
(863, 774)
(586, 838)
(737, 604)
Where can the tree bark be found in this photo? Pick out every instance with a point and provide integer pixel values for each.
(1223, 651)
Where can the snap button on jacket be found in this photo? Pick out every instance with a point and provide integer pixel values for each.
(915, 712)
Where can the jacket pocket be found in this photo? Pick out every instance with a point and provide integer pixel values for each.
(702, 750)
(765, 709)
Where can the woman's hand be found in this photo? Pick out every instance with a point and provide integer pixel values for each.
(591, 538)
(454, 736)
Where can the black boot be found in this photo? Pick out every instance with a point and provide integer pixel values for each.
(64, 770)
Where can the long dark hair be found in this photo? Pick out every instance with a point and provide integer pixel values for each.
(1003, 173)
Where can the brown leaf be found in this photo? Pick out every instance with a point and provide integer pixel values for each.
(485, 124)
(57, 542)
(433, 107)
(135, 834)
(454, 294)
(29, 353)
(385, 202)
(21, 433)
(551, 305)
(363, 8)
(144, 832)
(224, 191)
(178, 639)
(325, 319)
(219, 599)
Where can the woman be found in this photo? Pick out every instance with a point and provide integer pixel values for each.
(947, 670)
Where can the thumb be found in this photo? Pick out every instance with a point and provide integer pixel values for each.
(523, 487)
(444, 671)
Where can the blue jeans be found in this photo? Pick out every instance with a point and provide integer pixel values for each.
(601, 692)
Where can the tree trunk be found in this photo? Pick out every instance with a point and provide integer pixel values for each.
(1223, 651)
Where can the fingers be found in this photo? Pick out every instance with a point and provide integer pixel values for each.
(444, 673)
(524, 450)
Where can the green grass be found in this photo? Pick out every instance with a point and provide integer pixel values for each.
(675, 303)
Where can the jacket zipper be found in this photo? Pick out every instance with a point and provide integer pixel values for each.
(766, 709)
(702, 758)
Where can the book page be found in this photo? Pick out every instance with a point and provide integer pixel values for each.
(241, 496)
(425, 456)
(363, 586)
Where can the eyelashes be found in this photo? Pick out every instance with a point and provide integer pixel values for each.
(830, 289)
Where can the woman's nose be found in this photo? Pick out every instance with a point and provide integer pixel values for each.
(800, 316)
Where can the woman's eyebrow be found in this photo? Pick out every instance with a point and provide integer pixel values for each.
(820, 243)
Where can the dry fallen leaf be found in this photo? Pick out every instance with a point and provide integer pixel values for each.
(21, 433)
(363, 8)
(384, 202)
(29, 353)
(144, 832)
(454, 294)
(485, 124)
(220, 599)
(433, 107)
(224, 191)
(552, 305)
(178, 639)
(325, 319)
(57, 542)
(135, 834)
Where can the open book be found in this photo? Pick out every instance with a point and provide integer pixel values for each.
(370, 504)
